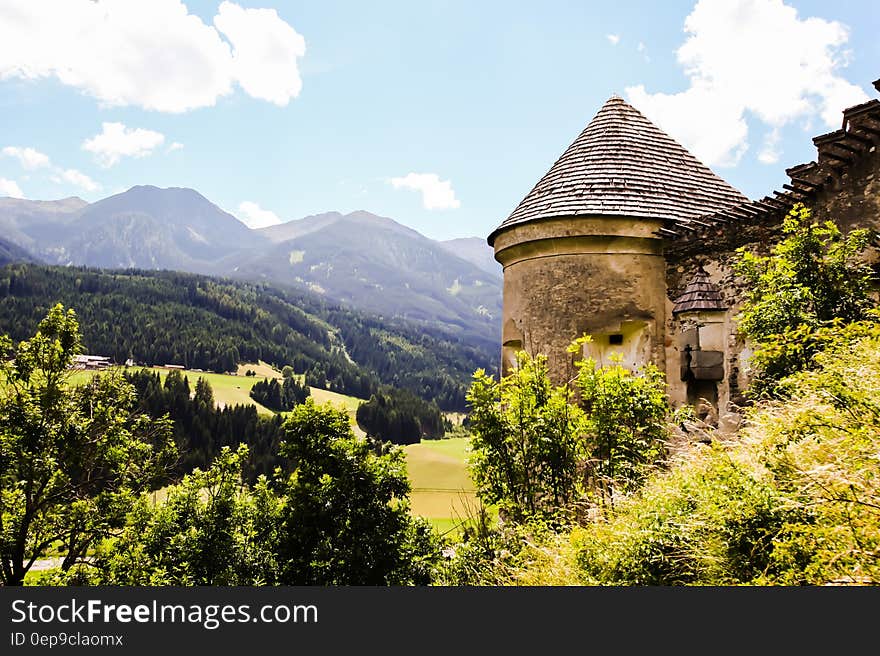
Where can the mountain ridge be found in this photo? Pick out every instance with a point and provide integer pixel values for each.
(362, 259)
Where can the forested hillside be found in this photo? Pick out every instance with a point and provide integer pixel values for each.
(160, 317)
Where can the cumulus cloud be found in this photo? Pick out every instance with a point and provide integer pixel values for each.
(29, 158)
(117, 141)
(175, 145)
(76, 178)
(32, 159)
(755, 56)
(254, 216)
(613, 39)
(10, 188)
(437, 194)
(264, 52)
(154, 55)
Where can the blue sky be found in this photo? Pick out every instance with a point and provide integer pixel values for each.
(441, 115)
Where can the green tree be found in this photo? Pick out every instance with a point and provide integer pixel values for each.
(346, 517)
(72, 460)
(527, 440)
(204, 395)
(814, 279)
(287, 372)
(626, 414)
(340, 518)
(210, 530)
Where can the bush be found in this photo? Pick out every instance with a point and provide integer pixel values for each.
(626, 416)
(710, 520)
(795, 500)
(341, 518)
(813, 279)
(527, 441)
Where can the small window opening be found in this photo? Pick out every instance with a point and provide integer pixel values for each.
(615, 339)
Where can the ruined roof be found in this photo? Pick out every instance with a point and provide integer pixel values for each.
(700, 294)
(624, 165)
(837, 152)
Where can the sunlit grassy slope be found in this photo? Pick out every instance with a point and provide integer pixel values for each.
(232, 390)
(442, 492)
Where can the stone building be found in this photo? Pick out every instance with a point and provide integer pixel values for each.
(631, 239)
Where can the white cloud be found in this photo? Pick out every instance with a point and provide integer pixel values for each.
(437, 194)
(117, 141)
(175, 145)
(613, 39)
(770, 149)
(154, 55)
(29, 158)
(254, 216)
(755, 56)
(264, 52)
(76, 178)
(10, 188)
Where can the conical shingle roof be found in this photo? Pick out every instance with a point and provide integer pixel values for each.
(624, 165)
(700, 294)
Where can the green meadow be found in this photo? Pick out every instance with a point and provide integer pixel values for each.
(442, 491)
(235, 389)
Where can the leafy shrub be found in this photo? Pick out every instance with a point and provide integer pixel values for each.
(794, 500)
(626, 414)
(340, 518)
(527, 440)
(814, 278)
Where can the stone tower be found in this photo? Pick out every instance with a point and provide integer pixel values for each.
(583, 251)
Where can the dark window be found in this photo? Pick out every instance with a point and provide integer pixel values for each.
(615, 339)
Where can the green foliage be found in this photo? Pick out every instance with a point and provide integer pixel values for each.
(626, 414)
(340, 518)
(160, 317)
(400, 417)
(346, 516)
(287, 372)
(72, 461)
(710, 520)
(533, 553)
(794, 500)
(527, 440)
(821, 445)
(537, 450)
(210, 530)
(280, 397)
(201, 429)
(814, 278)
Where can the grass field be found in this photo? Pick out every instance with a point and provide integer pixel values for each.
(232, 390)
(442, 491)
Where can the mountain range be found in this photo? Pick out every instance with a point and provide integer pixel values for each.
(360, 259)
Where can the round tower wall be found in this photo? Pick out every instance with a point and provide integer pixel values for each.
(603, 276)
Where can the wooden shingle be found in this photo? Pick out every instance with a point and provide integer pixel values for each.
(624, 165)
(700, 294)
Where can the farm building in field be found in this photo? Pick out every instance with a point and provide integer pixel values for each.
(91, 362)
(631, 239)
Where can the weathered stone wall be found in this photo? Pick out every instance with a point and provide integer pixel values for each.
(564, 278)
(851, 199)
